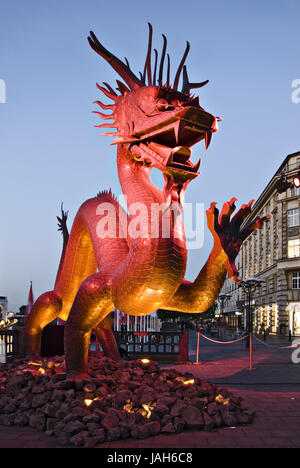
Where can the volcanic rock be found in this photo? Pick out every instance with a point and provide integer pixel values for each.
(121, 400)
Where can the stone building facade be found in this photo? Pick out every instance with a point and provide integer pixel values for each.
(273, 255)
(3, 308)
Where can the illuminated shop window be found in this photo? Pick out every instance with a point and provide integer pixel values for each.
(294, 248)
(293, 217)
(296, 280)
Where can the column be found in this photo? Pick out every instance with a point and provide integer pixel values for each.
(118, 320)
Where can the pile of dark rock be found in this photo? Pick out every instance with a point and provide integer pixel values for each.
(122, 399)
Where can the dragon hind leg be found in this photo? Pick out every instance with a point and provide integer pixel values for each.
(46, 309)
(106, 338)
(91, 306)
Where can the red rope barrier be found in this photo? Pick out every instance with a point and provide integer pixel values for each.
(296, 345)
(225, 342)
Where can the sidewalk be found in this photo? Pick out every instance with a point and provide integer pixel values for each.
(272, 390)
(275, 426)
(228, 365)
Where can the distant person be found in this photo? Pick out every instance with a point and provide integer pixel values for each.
(262, 328)
(282, 328)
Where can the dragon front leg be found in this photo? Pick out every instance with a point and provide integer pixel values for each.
(198, 296)
(91, 307)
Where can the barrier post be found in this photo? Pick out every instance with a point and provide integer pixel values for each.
(183, 355)
(251, 351)
(198, 347)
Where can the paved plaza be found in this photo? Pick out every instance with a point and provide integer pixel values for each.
(272, 389)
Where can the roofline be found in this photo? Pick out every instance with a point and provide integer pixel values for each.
(270, 186)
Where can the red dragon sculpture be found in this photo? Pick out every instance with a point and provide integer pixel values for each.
(131, 269)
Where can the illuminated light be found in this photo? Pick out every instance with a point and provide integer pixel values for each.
(145, 361)
(147, 408)
(41, 370)
(38, 363)
(189, 382)
(88, 402)
(128, 407)
(220, 399)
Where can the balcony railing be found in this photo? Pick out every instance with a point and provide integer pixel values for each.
(170, 346)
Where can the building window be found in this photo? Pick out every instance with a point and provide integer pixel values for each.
(294, 248)
(274, 283)
(295, 191)
(296, 280)
(261, 263)
(293, 217)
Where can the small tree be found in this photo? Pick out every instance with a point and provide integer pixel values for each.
(172, 315)
(22, 310)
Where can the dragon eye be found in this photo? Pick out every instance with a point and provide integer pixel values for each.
(163, 105)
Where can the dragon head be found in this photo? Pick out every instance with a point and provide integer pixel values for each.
(156, 122)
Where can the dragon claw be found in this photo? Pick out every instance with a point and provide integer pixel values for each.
(227, 231)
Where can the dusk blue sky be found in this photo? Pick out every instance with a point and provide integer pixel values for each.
(50, 151)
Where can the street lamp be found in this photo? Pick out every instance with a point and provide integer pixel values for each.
(249, 285)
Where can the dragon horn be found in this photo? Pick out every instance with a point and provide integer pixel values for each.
(155, 66)
(168, 71)
(175, 86)
(187, 86)
(161, 66)
(128, 76)
(148, 58)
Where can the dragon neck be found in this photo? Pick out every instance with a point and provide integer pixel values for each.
(135, 181)
(155, 263)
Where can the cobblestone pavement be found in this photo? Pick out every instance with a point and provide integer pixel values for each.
(272, 389)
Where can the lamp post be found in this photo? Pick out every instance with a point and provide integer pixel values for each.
(249, 285)
(222, 299)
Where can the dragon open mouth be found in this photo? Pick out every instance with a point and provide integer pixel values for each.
(167, 144)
